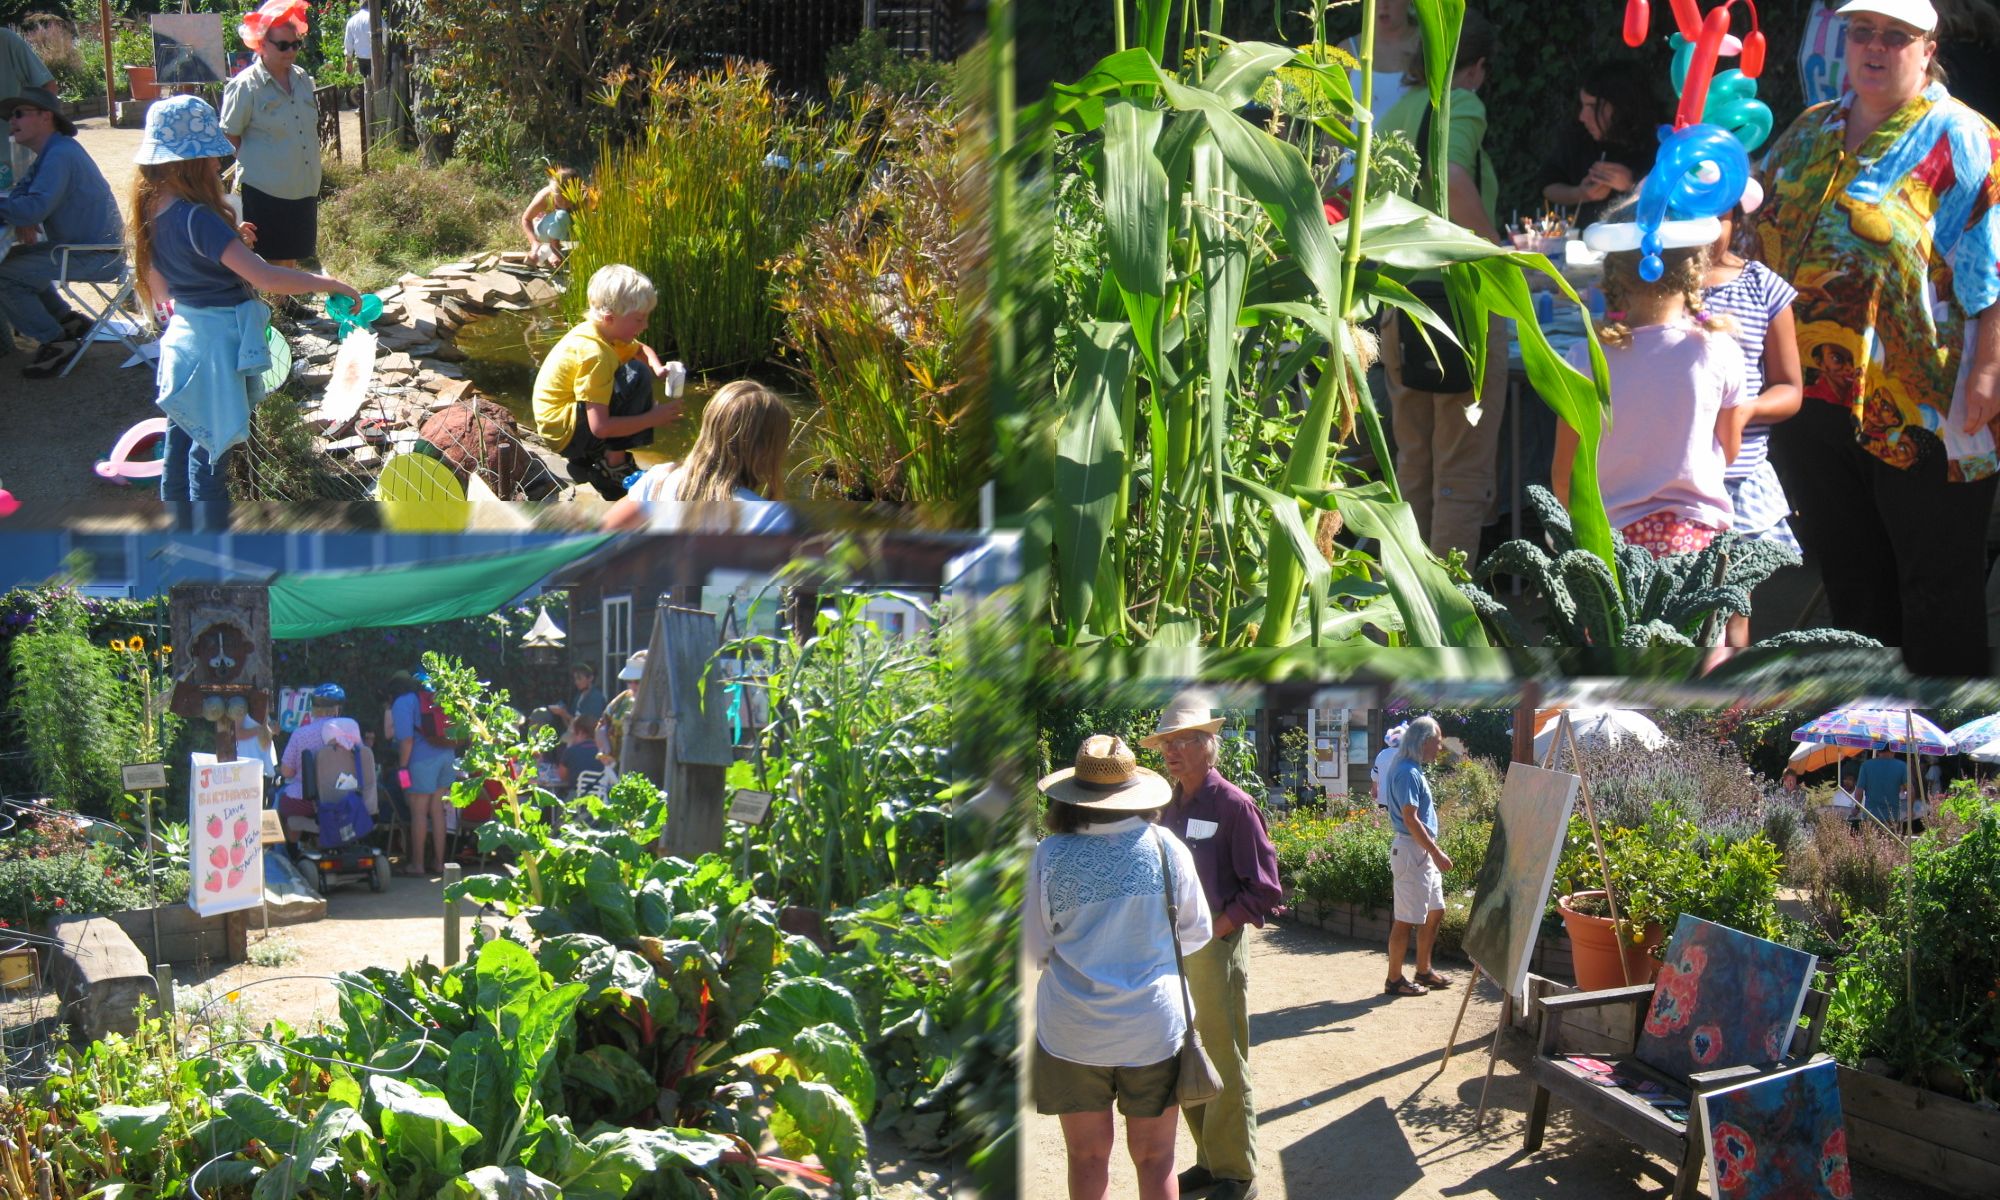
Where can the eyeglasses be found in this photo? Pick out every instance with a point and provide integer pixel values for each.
(1891, 39)
(284, 47)
(1186, 741)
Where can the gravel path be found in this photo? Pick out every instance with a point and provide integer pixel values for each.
(1351, 1104)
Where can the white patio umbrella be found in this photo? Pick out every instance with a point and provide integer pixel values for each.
(1597, 726)
(1974, 734)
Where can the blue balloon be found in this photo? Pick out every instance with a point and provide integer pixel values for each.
(1699, 172)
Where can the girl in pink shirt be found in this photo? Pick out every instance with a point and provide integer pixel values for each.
(1677, 407)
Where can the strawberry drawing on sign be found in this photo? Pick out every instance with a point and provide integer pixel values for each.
(235, 876)
(242, 827)
(212, 882)
(218, 857)
(215, 827)
(236, 856)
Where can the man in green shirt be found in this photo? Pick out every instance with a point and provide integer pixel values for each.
(1448, 444)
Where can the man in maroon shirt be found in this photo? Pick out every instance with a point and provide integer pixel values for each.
(1238, 868)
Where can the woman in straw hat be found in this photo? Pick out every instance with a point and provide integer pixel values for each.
(1108, 1016)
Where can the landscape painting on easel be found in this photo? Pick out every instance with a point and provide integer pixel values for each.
(1513, 884)
(1779, 1136)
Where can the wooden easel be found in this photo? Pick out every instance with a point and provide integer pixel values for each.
(1565, 736)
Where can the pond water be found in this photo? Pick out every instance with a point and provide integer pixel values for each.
(502, 352)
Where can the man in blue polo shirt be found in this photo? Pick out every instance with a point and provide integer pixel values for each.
(62, 201)
(1882, 782)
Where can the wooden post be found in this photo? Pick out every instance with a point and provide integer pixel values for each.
(1464, 1001)
(110, 60)
(163, 983)
(452, 914)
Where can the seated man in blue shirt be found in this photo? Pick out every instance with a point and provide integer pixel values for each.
(62, 201)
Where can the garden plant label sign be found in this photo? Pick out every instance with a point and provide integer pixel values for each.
(226, 864)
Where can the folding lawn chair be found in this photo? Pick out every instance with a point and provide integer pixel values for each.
(103, 301)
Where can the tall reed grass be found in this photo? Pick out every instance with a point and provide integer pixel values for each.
(874, 315)
(726, 179)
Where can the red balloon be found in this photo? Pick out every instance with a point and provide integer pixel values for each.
(1753, 54)
(1638, 21)
(1687, 15)
(1701, 71)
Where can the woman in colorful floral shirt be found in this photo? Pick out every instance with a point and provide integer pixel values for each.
(1886, 217)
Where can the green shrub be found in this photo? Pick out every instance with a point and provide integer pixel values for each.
(70, 710)
(51, 872)
(726, 179)
(1341, 859)
(1919, 988)
(1664, 867)
(871, 60)
(1845, 872)
(874, 315)
(403, 216)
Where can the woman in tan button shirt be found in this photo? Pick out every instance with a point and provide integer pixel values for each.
(269, 115)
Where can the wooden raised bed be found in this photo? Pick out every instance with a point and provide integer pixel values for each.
(1921, 1135)
(187, 938)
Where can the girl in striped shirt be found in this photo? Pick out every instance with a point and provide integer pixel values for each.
(1759, 305)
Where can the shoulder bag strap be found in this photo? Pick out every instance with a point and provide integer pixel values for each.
(1174, 926)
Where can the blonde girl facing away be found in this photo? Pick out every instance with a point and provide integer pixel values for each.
(734, 477)
(1678, 403)
(547, 220)
(200, 279)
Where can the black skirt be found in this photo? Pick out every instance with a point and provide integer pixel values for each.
(287, 230)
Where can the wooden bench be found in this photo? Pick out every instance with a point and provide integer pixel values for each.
(1629, 1114)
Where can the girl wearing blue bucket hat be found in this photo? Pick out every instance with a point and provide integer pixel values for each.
(201, 280)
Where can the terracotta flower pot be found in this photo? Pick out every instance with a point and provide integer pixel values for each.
(1594, 948)
(140, 80)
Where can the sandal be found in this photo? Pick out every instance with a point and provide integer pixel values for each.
(48, 360)
(1433, 980)
(1403, 987)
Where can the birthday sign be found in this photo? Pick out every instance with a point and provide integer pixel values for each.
(226, 863)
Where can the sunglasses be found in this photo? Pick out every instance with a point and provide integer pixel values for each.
(284, 47)
(1890, 39)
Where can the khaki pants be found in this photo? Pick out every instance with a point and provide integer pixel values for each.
(1447, 466)
(1224, 1129)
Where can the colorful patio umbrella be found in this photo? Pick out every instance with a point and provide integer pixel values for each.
(1811, 756)
(1872, 727)
(1974, 734)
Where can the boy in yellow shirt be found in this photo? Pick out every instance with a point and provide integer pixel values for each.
(593, 401)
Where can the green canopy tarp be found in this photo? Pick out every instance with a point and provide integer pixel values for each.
(317, 603)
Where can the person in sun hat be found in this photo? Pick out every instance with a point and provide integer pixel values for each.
(618, 710)
(1880, 208)
(270, 116)
(1416, 861)
(201, 280)
(1233, 855)
(1108, 1005)
(62, 200)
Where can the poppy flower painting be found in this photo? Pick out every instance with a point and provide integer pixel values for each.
(1780, 1136)
(1723, 999)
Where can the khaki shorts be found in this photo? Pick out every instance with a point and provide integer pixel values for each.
(1419, 885)
(1061, 1086)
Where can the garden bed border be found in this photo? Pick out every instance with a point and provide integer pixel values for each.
(1921, 1135)
(1368, 923)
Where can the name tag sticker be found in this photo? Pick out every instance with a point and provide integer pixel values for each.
(1197, 830)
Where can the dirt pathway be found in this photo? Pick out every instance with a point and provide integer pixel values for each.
(1350, 1102)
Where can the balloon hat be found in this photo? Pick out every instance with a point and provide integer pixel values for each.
(1704, 159)
(135, 455)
